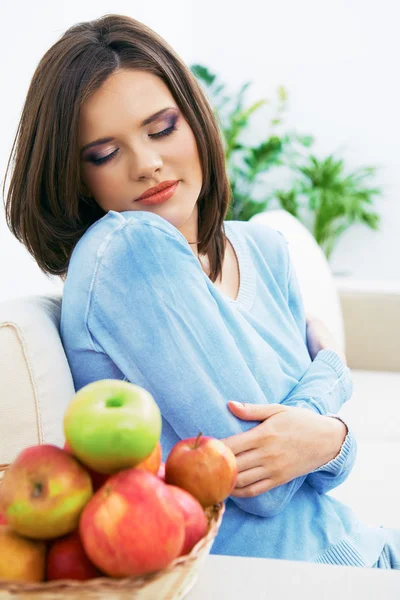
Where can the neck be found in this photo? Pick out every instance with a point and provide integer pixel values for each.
(190, 230)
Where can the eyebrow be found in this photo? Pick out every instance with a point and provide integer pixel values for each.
(145, 122)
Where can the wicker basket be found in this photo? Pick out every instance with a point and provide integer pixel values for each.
(167, 584)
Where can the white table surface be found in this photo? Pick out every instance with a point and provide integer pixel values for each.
(237, 578)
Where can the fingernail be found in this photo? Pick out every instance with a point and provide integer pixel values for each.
(238, 403)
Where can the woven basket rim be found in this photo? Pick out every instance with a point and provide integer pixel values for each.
(214, 516)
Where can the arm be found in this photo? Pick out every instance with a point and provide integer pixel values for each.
(326, 384)
(333, 473)
(288, 443)
(323, 393)
(285, 448)
(152, 313)
(324, 388)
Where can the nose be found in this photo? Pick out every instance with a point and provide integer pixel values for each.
(144, 162)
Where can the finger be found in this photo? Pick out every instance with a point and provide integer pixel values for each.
(241, 442)
(255, 489)
(248, 460)
(250, 476)
(255, 412)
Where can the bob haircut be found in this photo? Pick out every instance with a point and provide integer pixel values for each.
(46, 207)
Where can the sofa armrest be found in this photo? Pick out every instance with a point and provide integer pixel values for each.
(36, 383)
(371, 313)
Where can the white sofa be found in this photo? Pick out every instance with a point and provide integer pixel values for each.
(36, 383)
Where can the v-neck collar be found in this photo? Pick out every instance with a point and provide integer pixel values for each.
(247, 279)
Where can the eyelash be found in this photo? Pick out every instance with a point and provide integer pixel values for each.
(100, 161)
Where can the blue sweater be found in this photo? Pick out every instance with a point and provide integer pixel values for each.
(137, 306)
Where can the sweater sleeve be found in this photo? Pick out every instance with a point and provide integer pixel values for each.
(324, 388)
(151, 312)
(333, 473)
(326, 384)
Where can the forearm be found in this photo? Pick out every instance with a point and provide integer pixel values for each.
(334, 472)
(335, 440)
(324, 387)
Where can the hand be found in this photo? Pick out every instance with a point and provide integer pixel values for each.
(289, 442)
(320, 338)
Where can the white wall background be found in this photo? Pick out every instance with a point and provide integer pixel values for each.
(338, 60)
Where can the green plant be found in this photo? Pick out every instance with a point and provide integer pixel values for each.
(330, 200)
(321, 194)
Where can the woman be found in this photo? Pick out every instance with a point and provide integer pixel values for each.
(171, 297)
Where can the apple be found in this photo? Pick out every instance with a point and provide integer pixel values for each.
(97, 478)
(204, 466)
(3, 520)
(133, 525)
(67, 559)
(21, 559)
(43, 492)
(196, 524)
(153, 462)
(112, 424)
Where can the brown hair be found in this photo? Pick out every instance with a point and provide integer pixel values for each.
(46, 207)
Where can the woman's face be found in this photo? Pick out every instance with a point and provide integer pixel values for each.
(127, 157)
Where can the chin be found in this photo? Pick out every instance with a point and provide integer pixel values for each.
(178, 216)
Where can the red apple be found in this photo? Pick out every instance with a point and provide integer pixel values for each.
(196, 524)
(204, 466)
(43, 492)
(67, 559)
(98, 479)
(132, 525)
(21, 559)
(3, 520)
(153, 461)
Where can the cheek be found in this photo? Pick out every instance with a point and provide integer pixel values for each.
(187, 152)
(101, 181)
(187, 148)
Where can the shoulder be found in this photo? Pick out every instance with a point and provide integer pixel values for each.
(266, 244)
(260, 233)
(113, 231)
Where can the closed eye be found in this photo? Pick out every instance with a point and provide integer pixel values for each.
(103, 159)
(163, 133)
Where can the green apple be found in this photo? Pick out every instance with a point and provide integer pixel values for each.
(112, 425)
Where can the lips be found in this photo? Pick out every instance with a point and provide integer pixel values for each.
(160, 197)
(156, 189)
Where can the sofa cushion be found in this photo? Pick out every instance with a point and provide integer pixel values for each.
(35, 380)
(372, 488)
